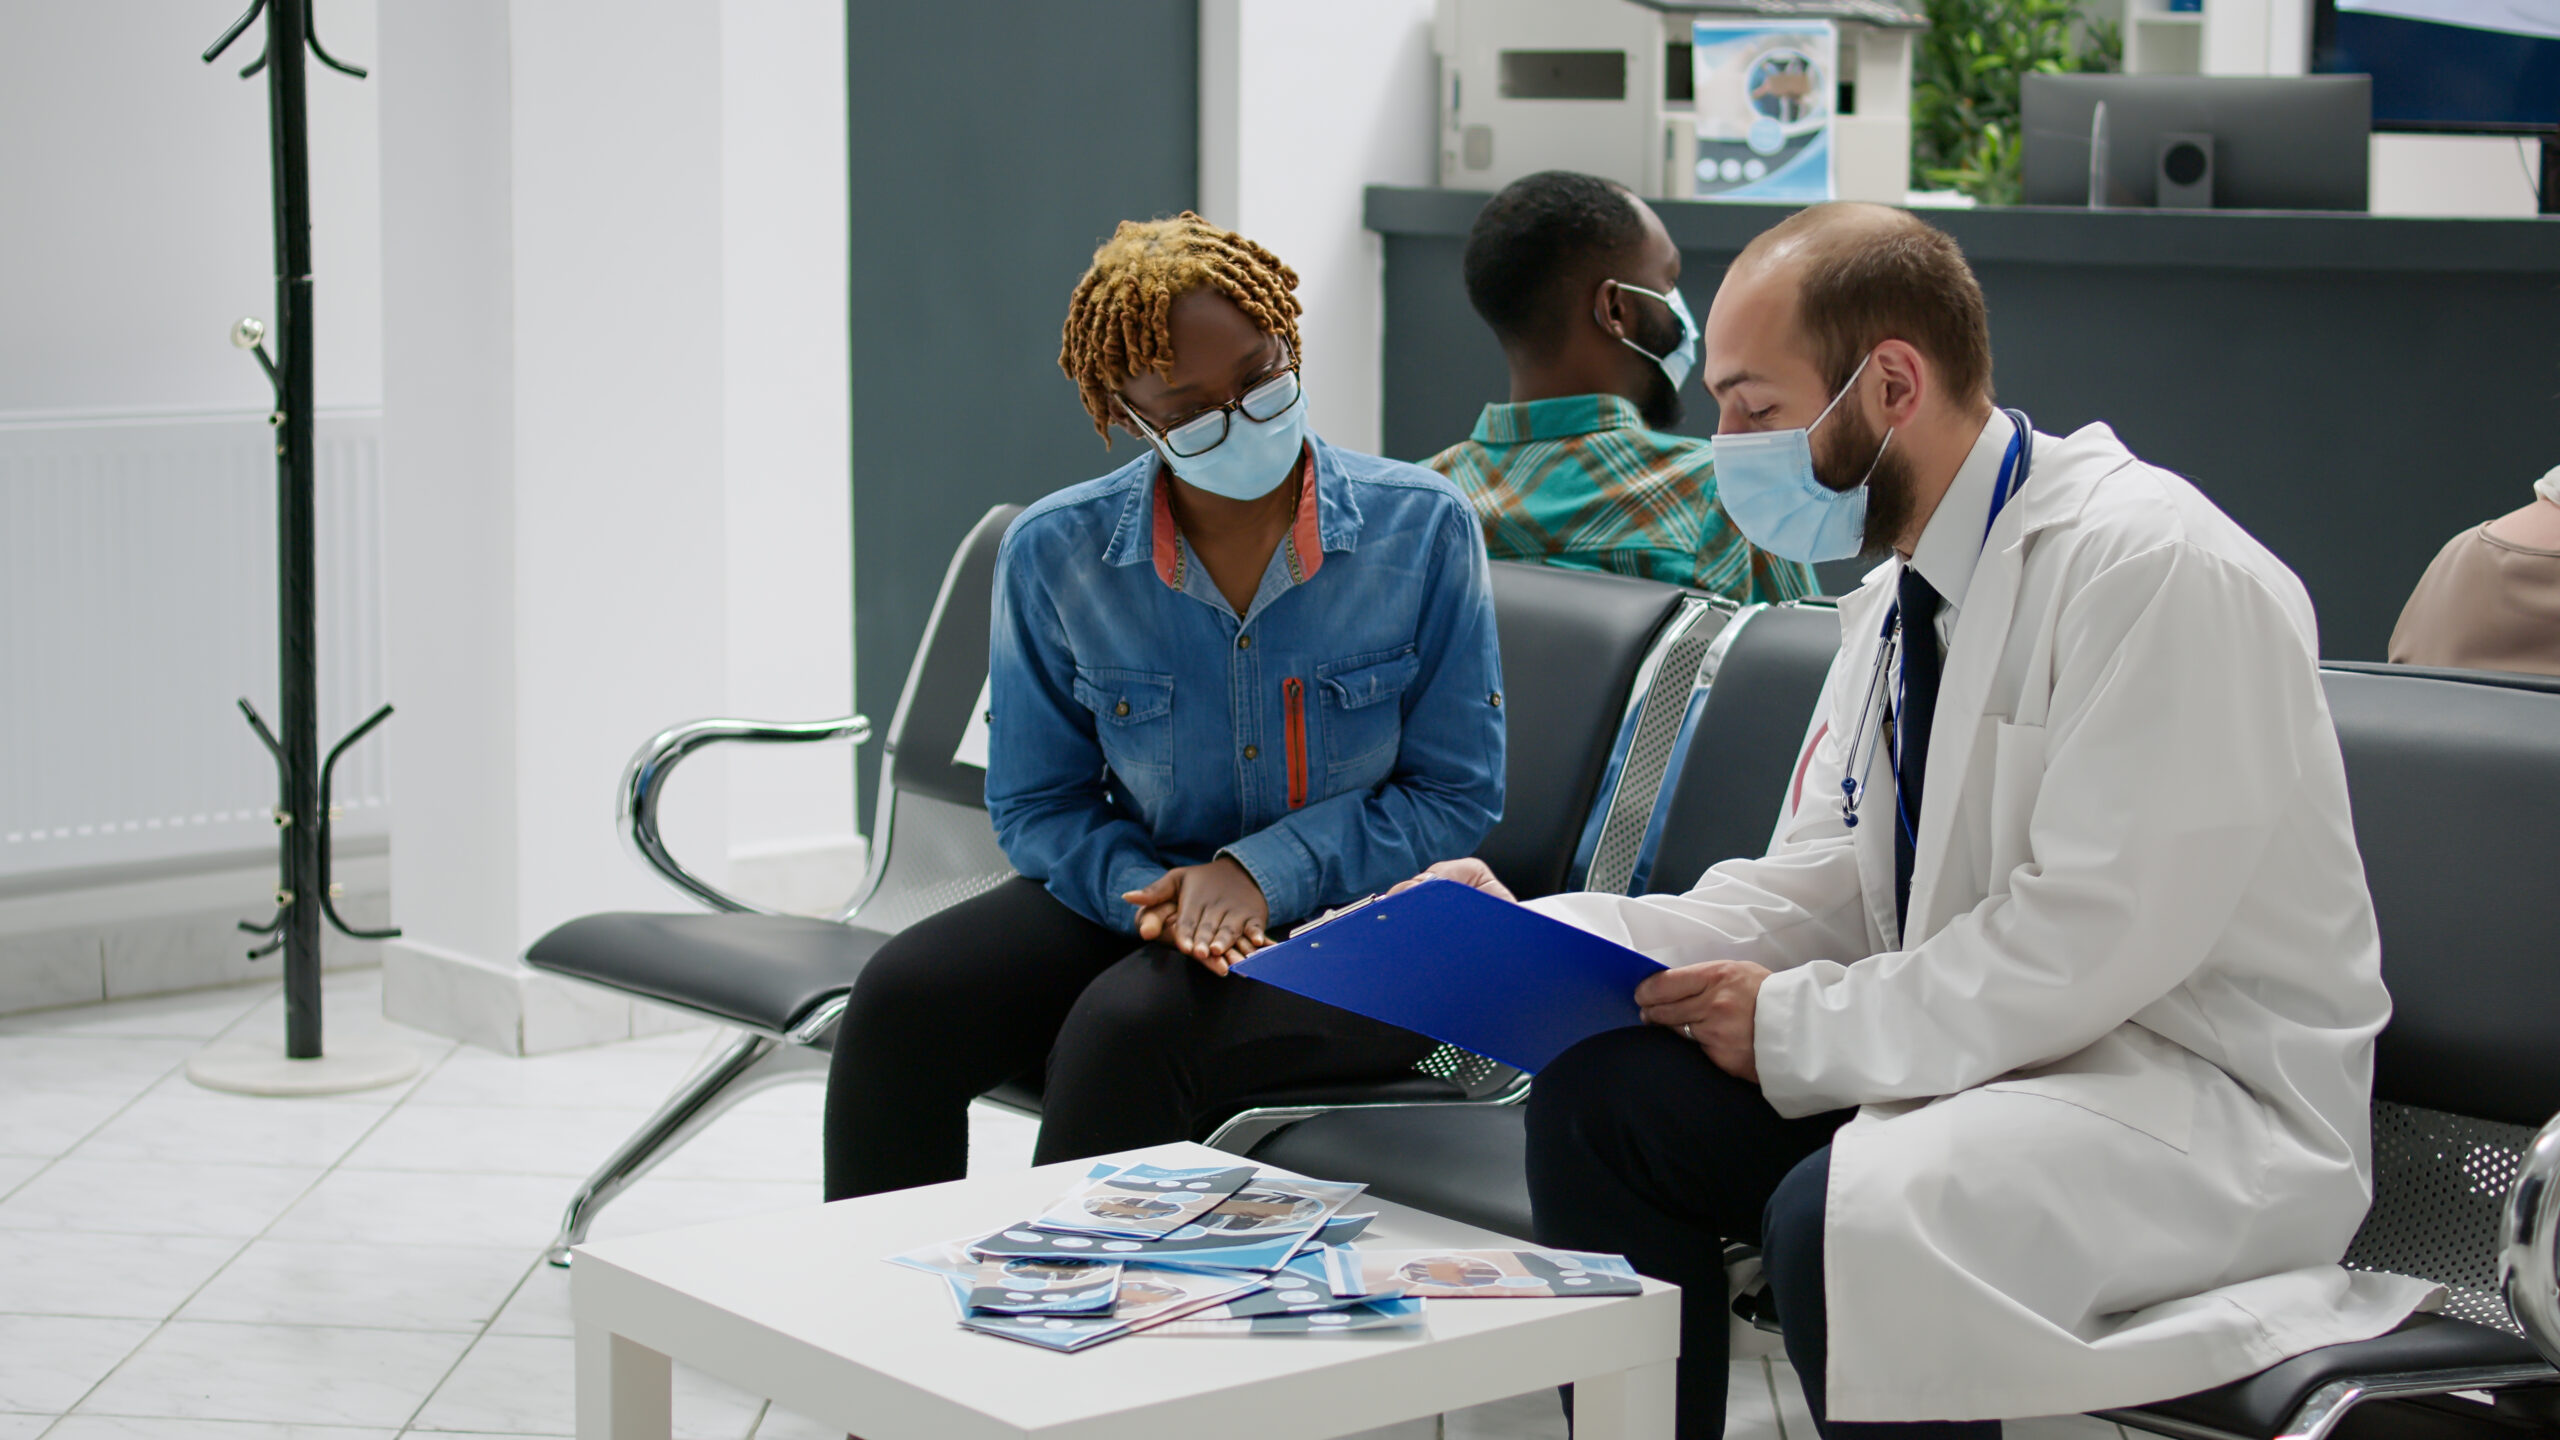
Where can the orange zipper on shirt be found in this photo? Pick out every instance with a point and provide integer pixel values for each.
(1293, 706)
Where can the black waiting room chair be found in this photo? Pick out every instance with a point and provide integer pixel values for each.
(1579, 642)
(2455, 780)
(781, 981)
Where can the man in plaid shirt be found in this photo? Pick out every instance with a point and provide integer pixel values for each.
(1580, 281)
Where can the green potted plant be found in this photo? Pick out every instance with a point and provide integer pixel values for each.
(1964, 91)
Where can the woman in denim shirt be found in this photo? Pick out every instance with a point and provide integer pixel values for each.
(1243, 678)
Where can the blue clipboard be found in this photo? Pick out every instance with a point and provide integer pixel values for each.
(1462, 967)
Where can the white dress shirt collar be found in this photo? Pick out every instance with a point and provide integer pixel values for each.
(1951, 543)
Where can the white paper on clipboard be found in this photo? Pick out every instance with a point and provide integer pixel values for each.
(973, 741)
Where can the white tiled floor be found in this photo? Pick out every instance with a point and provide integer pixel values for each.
(177, 1263)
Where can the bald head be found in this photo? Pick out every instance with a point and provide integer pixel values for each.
(1849, 276)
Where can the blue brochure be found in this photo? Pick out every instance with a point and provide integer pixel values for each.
(1462, 967)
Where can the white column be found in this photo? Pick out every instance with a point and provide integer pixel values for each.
(1303, 103)
(561, 440)
(788, 437)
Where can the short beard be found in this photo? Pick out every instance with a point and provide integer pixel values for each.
(1855, 445)
(1660, 409)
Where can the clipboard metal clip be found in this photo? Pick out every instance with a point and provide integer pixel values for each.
(1332, 915)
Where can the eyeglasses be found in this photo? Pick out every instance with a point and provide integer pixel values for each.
(1204, 432)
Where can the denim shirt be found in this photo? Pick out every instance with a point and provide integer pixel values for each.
(1343, 733)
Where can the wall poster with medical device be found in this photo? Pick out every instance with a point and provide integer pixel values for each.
(1767, 93)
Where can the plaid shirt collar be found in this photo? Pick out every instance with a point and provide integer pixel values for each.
(1302, 545)
(1558, 418)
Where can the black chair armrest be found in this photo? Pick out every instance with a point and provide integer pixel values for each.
(644, 781)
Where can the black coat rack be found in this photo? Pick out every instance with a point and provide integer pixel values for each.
(304, 894)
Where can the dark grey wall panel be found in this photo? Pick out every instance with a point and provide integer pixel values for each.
(2353, 390)
(992, 147)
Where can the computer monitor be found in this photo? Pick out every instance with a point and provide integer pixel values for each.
(2277, 143)
(2446, 65)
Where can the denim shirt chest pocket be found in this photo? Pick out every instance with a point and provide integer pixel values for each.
(1361, 717)
(1133, 722)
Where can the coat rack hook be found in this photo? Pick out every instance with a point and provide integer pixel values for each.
(237, 26)
(311, 36)
(258, 723)
(328, 814)
(250, 334)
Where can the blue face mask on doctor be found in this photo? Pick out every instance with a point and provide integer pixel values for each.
(1765, 479)
(1243, 449)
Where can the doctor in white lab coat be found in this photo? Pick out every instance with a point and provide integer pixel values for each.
(2082, 1122)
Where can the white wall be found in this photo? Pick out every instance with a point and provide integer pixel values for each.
(135, 179)
(616, 461)
(1303, 103)
(787, 432)
(450, 307)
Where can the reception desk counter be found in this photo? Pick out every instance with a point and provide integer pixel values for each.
(2353, 389)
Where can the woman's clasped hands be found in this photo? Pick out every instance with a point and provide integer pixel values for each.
(1214, 913)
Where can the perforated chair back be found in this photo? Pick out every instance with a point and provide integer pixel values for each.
(1659, 711)
(2455, 783)
(935, 844)
(1740, 758)
(1572, 643)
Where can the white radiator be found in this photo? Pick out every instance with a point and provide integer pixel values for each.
(137, 601)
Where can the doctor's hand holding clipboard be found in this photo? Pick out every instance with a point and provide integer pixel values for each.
(1451, 955)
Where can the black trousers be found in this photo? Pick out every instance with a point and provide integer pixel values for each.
(1141, 1044)
(1639, 1145)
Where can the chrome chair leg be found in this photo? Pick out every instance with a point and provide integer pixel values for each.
(755, 1063)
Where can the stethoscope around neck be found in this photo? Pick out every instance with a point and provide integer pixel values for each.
(1870, 728)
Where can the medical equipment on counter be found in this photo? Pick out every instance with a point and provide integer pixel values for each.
(1604, 87)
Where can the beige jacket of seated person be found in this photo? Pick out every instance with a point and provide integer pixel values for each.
(2112, 1084)
(2491, 600)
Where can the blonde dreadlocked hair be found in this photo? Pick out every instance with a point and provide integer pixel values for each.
(1116, 322)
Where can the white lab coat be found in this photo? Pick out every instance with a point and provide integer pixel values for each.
(2112, 1129)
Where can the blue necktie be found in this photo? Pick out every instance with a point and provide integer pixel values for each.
(1921, 665)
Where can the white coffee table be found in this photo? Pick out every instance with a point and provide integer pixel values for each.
(799, 1307)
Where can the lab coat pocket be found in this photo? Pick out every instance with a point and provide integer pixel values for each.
(2129, 1075)
(2017, 777)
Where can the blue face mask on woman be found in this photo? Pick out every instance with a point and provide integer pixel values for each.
(1241, 450)
(1765, 479)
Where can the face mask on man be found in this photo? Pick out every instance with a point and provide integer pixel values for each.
(1766, 480)
(1242, 451)
(1682, 357)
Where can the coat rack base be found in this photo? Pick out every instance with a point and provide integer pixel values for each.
(249, 1067)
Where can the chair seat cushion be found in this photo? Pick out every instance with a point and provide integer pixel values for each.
(761, 971)
(2260, 1405)
(1467, 1162)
